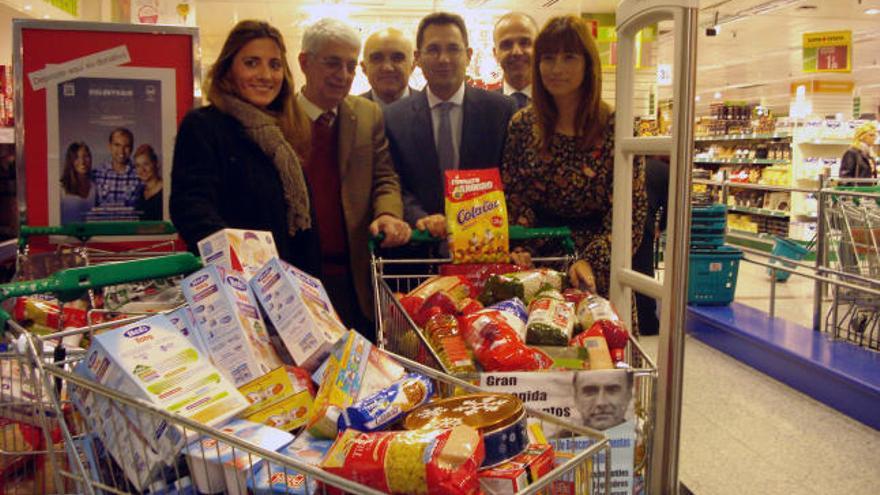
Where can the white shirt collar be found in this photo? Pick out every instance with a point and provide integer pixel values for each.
(509, 90)
(456, 99)
(312, 111)
(378, 99)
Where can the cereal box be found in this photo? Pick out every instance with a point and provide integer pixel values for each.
(476, 216)
(150, 360)
(244, 251)
(277, 400)
(273, 479)
(300, 309)
(183, 321)
(217, 466)
(230, 324)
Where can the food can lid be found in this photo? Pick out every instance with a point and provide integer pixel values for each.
(485, 412)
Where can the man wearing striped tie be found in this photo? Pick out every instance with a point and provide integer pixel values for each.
(514, 36)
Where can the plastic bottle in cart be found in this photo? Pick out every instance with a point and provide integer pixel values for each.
(445, 338)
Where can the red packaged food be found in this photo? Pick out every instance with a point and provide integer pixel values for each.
(477, 273)
(519, 472)
(616, 336)
(445, 338)
(445, 292)
(575, 296)
(497, 345)
(419, 462)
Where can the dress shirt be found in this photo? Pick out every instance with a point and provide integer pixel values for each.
(456, 116)
(509, 90)
(314, 111)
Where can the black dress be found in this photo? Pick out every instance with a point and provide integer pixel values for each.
(222, 179)
(857, 164)
(151, 209)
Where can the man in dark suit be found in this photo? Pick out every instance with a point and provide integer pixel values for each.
(447, 126)
(514, 37)
(388, 63)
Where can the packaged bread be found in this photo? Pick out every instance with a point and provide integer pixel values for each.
(385, 407)
(476, 216)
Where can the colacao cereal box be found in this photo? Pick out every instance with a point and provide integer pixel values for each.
(300, 309)
(150, 360)
(244, 251)
(229, 323)
(476, 216)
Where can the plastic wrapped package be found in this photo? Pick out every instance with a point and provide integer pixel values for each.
(524, 285)
(444, 336)
(476, 216)
(594, 308)
(445, 292)
(422, 462)
(385, 407)
(497, 343)
(477, 273)
(551, 321)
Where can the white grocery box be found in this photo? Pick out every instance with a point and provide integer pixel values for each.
(299, 308)
(183, 321)
(244, 251)
(229, 324)
(150, 360)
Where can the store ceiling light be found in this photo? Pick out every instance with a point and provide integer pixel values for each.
(27, 7)
(717, 95)
(872, 11)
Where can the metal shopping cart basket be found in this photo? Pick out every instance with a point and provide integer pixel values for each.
(72, 461)
(852, 221)
(398, 332)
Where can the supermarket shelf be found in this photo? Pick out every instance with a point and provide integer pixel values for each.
(742, 161)
(827, 142)
(742, 137)
(841, 375)
(759, 211)
(761, 187)
(7, 135)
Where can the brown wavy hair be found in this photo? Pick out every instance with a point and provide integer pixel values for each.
(293, 121)
(569, 34)
(72, 182)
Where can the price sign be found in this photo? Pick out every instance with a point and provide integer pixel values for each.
(828, 51)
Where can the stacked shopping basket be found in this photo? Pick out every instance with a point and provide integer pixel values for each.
(713, 266)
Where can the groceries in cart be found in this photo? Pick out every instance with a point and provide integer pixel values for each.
(476, 216)
(531, 317)
(243, 251)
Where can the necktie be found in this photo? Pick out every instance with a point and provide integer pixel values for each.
(445, 149)
(521, 99)
(325, 119)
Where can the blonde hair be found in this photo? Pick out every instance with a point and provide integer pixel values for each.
(866, 128)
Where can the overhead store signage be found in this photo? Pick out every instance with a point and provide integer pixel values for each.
(69, 6)
(823, 86)
(604, 30)
(829, 51)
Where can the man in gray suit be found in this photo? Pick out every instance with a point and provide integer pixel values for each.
(388, 63)
(514, 37)
(447, 126)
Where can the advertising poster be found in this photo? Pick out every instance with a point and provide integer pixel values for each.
(113, 151)
(598, 399)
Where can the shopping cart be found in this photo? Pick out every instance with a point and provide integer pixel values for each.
(852, 224)
(72, 460)
(397, 331)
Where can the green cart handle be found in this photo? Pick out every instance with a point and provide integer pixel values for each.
(516, 233)
(72, 283)
(85, 231)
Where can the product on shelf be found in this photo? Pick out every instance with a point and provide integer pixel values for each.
(429, 462)
(230, 324)
(244, 251)
(300, 310)
(476, 216)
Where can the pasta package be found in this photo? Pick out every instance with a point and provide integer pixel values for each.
(422, 462)
(388, 405)
(551, 321)
(476, 216)
(524, 285)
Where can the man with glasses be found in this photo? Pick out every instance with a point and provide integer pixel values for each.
(514, 36)
(447, 126)
(388, 63)
(355, 191)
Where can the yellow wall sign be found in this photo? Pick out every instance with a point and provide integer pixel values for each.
(69, 6)
(830, 51)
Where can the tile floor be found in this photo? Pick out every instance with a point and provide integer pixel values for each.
(745, 433)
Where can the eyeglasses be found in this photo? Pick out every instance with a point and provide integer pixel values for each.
(434, 51)
(335, 64)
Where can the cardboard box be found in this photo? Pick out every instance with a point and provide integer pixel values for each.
(277, 400)
(519, 472)
(216, 466)
(150, 360)
(230, 324)
(183, 321)
(273, 479)
(300, 310)
(244, 251)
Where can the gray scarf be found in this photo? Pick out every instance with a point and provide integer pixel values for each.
(264, 130)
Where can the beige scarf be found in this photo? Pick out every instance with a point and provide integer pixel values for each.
(264, 130)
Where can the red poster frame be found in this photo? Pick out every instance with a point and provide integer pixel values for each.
(38, 43)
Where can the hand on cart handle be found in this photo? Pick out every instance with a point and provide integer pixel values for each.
(581, 276)
(521, 257)
(395, 232)
(435, 224)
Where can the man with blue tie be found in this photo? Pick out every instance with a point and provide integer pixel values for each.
(447, 126)
(514, 36)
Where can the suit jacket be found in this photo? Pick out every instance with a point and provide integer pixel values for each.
(411, 136)
(857, 164)
(370, 186)
(369, 94)
(221, 178)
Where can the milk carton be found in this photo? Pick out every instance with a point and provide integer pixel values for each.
(244, 251)
(150, 360)
(299, 308)
(230, 324)
(272, 479)
(216, 466)
(183, 321)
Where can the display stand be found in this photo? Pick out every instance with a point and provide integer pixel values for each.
(632, 16)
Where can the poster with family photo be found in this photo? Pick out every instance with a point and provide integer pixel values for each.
(112, 145)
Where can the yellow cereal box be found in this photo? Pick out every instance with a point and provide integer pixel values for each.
(476, 216)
